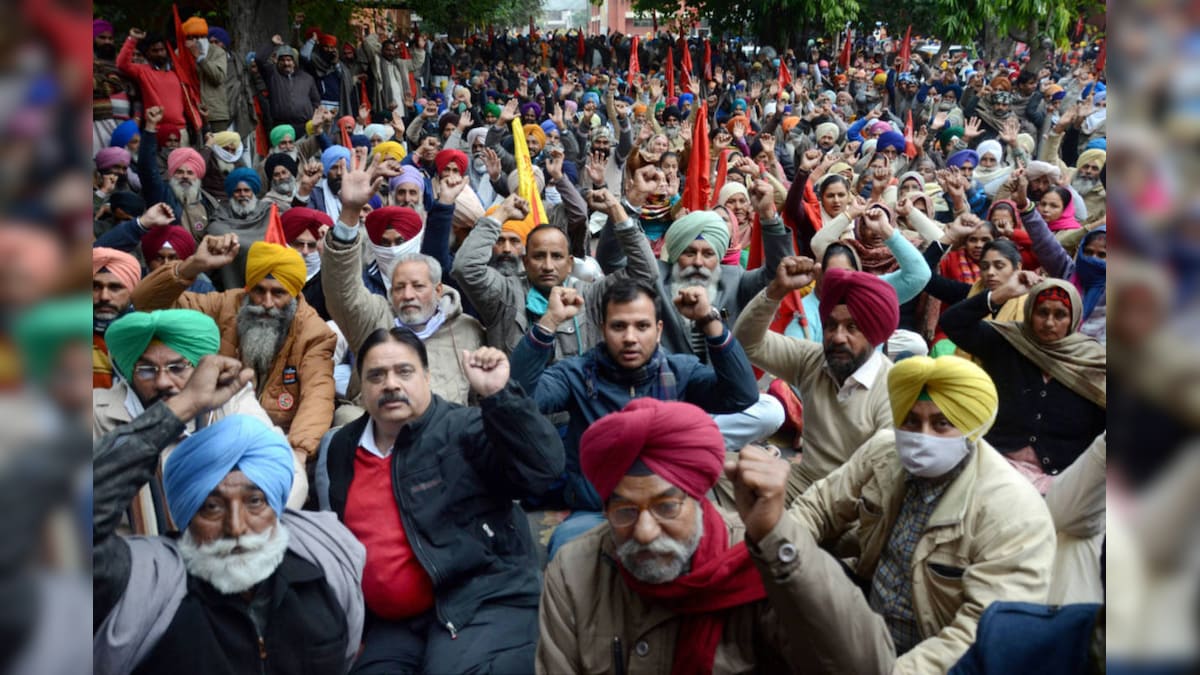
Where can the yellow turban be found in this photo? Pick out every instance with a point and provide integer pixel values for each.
(1094, 155)
(391, 150)
(962, 390)
(225, 139)
(521, 228)
(536, 132)
(283, 263)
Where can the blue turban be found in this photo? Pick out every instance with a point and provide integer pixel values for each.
(685, 98)
(740, 104)
(958, 92)
(890, 139)
(1097, 144)
(549, 127)
(958, 159)
(124, 133)
(203, 459)
(593, 96)
(332, 154)
(360, 141)
(221, 35)
(242, 174)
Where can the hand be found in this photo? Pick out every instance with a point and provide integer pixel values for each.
(1009, 130)
(364, 115)
(446, 190)
(957, 231)
(508, 113)
(554, 165)
(692, 303)
(557, 116)
(645, 182)
(108, 183)
(486, 369)
(656, 88)
(880, 177)
(755, 90)
(973, 129)
(794, 272)
(492, 161)
(739, 129)
(213, 382)
(358, 186)
(855, 207)
(852, 147)
(762, 197)
(154, 116)
(759, 489)
(939, 119)
(398, 121)
(159, 215)
(214, 251)
(903, 207)
(920, 136)
(276, 40)
(1017, 285)
(876, 220)
(318, 117)
(810, 160)
(565, 304)
(512, 208)
(768, 143)
(606, 202)
(310, 175)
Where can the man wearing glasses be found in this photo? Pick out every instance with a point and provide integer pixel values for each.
(666, 583)
(155, 354)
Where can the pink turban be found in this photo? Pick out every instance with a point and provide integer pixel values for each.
(185, 157)
(679, 442)
(124, 266)
(110, 157)
(871, 300)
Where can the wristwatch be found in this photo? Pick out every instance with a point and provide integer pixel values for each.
(714, 314)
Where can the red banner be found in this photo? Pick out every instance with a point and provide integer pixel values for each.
(634, 66)
(906, 51)
(670, 73)
(275, 233)
(698, 190)
(847, 50)
(184, 63)
(1101, 58)
(686, 57)
(707, 59)
(412, 79)
(785, 78)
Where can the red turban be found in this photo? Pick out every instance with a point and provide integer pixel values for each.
(450, 155)
(679, 442)
(185, 157)
(327, 39)
(179, 238)
(399, 218)
(124, 266)
(871, 300)
(166, 131)
(298, 219)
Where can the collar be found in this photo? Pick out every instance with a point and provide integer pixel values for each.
(862, 378)
(367, 440)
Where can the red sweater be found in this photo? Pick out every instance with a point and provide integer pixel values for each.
(395, 586)
(159, 87)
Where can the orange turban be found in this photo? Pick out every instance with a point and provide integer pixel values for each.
(124, 266)
(195, 27)
(283, 263)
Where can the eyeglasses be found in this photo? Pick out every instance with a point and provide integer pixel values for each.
(148, 372)
(663, 511)
(304, 245)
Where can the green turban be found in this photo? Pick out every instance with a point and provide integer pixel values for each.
(705, 225)
(193, 334)
(491, 109)
(279, 132)
(42, 332)
(949, 133)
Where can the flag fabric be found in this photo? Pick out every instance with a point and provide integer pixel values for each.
(847, 49)
(579, 49)
(722, 173)
(1079, 29)
(1102, 57)
(526, 183)
(686, 57)
(785, 78)
(634, 65)
(532, 29)
(670, 73)
(184, 63)
(707, 59)
(362, 94)
(910, 145)
(262, 143)
(275, 233)
(698, 191)
(561, 67)
(906, 50)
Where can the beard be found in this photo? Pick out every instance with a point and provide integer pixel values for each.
(243, 208)
(186, 191)
(335, 184)
(696, 275)
(654, 570)
(229, 572)
(507, 264)
(415, 314)
(105, 52)
(1084, 185)
(284, 187)
(261, 333)
(846, 363)
(103, 314)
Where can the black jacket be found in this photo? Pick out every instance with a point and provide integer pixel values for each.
(455, 474)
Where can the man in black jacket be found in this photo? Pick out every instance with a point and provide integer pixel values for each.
(451, 581)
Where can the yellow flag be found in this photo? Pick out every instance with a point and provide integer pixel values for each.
(527, 185)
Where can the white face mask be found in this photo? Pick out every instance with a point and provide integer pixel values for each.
(387, 256)
(312, 264)
(930, 456)
(552, 196)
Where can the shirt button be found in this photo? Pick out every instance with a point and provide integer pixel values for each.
(1037, 416)
(1046, 461)
(787, 553)
(642, 648)
(1033, 439)
(1043, 393)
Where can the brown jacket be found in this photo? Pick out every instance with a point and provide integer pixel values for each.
(305, 395)
(587, 608)
(990, 538)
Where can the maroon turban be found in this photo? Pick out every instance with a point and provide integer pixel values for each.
(679, 442)
(399, 218)
(871, 300)
(298, 219)
(450, 155)
(179, 238)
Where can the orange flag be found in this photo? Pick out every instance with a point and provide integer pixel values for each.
(910, 146)
(184, 63)
(275, 233)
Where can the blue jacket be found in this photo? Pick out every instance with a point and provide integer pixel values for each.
(579, 387)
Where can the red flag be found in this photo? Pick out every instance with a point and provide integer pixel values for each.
(707, 59)
(634, 65)
(412, 79)
(686, 58)
(579, 45)
(1102, 57)
(698, 191)
(670, 73)
(262, 142)
(561, 67)
(184, 64)
(722, 172)
(847, 48)
(906, 50)
(785, 78)
(1079, 29)
(910, 146)
(363, 99)
(275, 233)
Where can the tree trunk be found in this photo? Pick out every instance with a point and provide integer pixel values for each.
(251, 23)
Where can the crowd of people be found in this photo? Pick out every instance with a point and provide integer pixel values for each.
(572, 353)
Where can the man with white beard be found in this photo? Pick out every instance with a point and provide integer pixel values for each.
(245, 215)
(1085, 181)
(417, 298)
(185, 171)
(247, 582)
(281, 172)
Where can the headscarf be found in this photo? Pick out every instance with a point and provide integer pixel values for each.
(1090, 274)
(110, 157)
(173, 236)
(124, 266)
(129, 202)
(704, 225)
(491, 109)
(390, 150)
(283, 263)
(1066, 220)
(947, 135)
(299, 219)
(223, 139)
(906, 343)
(42, 332)
(445, 157)
(280, 132)
(399, 218)
(185, 157)
(960, 389)
(1077, 361)
(531, 107)
(871, 301)
(280, 159)
(359, 141)
(476, 134)
(191, 333)
(243, 174)
(467, 209)
(876, 260)
(221, 35)
(124, 133)
(730, 189)
(514, 180)
(1094, 155)
(203, 459)
(682, 445)
(960, 158)
(332, 154)
(991, 147)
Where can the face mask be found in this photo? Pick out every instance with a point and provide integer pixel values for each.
(929, 456)
(312, 264)
(388, 256)
(552, 196)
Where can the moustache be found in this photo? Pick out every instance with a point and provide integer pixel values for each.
(392, 397)
(105, 307)
(697, 272)
(839, 351)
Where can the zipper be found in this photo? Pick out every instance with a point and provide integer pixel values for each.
(418, 549)
(262, 648)
(632, 393)
(618, 656)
